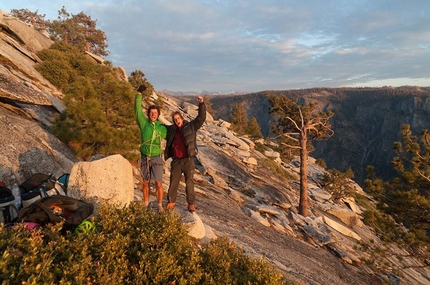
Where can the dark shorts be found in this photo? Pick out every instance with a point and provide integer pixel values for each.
(152, 168)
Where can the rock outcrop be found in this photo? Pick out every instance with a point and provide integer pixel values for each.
(19, 80)
(28, 103)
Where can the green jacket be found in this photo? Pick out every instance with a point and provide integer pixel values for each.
(151, 133)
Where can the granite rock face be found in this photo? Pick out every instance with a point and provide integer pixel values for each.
(28, 103)
(19, 80)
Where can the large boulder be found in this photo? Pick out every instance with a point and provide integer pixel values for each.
(109, 180)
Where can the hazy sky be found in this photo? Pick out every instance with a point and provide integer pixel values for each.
(250, 46)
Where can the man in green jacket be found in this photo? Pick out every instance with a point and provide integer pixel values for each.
(152, 132)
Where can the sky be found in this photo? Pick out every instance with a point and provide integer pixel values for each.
(227, 46)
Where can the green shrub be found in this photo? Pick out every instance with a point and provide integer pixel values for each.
(259, 147)
(338, 184)
(384, 225)
(99, 117)
(130, 246)
(282, 173)
(224, 263)
(321, 162)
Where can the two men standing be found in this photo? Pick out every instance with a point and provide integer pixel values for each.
(181, 147)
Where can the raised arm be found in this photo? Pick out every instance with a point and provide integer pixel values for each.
(201, 117)
(138, 113)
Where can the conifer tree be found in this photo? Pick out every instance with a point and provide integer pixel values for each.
(137, 78)
(92, 39)
(253, 129)
(300, 124)
(337, 183)
(79, 30)
(33, 18)
(99, 117)
(62, 28)
(239, 119)
(407, 196)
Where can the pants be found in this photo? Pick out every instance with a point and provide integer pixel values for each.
(179, 166)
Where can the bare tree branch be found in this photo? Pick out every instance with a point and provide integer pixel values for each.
(291, 146)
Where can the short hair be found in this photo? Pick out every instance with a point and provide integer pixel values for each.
(153, 107)
(177, 113)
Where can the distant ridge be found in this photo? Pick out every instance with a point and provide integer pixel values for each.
(201, 93)
(367, 121)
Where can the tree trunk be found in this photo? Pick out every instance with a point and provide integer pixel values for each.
(303, 203)
(87, 43)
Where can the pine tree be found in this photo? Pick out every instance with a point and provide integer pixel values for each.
(137, 78)
(407, 196)
(253, 129)
(337, 183)
(34, 18)
(99, 117)
(92, 39)
(80, 31)
(239, 119)
(300, 124)
(62, 28)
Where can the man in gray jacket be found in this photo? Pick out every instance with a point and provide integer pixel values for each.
(181, 146)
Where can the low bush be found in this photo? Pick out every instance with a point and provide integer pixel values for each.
(224, 263)
(129, 246)
(281, 172)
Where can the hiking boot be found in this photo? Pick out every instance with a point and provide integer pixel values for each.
(191, 208)
(170, 205)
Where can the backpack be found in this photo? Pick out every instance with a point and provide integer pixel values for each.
(8, 210)
(63, 180)
(57, 208)
(39, 185)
